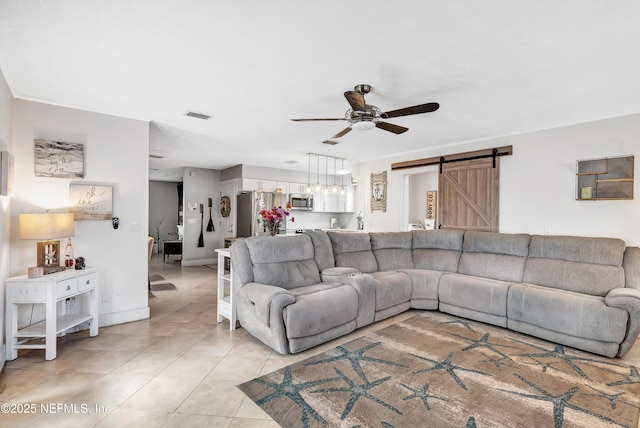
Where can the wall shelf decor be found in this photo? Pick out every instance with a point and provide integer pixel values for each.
(379, 192)
(59, 159)
(605, 179)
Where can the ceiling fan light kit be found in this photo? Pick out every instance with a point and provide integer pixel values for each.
(364, 125)
(363, 117)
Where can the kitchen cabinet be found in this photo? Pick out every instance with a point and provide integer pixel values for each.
(297, 187)
(335, 202)
(283, 186)
(347, 202)
(325, 203)
(251, 184)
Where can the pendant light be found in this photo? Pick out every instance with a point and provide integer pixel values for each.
(326, 174)
(334, 189)
(318, 186)
(342, 191)
(307, 188)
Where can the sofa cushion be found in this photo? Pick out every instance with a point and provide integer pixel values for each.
(285, 262)
(479, 294)
(392, 250)
(319, 308)
(584, 265)
(353, 249)
(424, 290)
(499, 256)
(574, 314)
(437, 249)
(601, 251)
(323, 253)
(631, 265)
(392, 288)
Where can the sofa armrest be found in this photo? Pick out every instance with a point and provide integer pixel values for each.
(629, 300)
(264, 300)
(364, 286)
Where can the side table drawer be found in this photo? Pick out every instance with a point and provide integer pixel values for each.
(29, 292)
(66, 287)
(86, 282)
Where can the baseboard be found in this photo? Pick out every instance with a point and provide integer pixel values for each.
(199, 262)
(124, 316)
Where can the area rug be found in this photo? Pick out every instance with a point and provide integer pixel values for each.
(162, 286)
(435, 370)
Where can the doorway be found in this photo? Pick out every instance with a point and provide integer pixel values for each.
(469, 195)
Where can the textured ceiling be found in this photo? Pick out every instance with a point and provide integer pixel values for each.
(496, 68)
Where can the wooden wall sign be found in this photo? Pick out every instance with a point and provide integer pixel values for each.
(379, 192)
(431, 204)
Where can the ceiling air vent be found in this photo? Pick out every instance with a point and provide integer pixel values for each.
(329, 142)
(197, 115)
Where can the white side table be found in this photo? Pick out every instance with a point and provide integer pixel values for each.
(52, 291)
(226, 303)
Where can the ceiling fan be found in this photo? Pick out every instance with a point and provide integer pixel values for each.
(363, 116)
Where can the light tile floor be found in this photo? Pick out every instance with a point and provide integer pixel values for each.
(179, 368)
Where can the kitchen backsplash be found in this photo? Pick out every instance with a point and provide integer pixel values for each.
(311, 220)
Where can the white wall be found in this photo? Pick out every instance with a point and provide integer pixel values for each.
(419, 185)
(537, 183)
(199, 185)
(116, 154)
(6, 115)
(163, 207)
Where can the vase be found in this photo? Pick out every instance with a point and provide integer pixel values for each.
(274, 228)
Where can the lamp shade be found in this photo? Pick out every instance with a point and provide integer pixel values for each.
(46, 226)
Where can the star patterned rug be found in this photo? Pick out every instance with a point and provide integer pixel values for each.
(436, 370)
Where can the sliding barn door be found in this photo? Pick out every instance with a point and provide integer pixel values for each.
(469, 195)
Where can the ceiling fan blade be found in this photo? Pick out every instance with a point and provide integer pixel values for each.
(343, 132)
(396, 129)
(422, 108)
(356, 100)
(327, 118)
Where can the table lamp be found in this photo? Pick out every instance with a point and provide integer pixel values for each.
(46, 228)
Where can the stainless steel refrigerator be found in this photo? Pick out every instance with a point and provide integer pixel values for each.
(249, 205)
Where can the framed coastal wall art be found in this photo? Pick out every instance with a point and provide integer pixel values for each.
(6, 174)
(90, 202)
(59, 159)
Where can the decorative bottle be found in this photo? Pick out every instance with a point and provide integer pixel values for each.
(68, 255)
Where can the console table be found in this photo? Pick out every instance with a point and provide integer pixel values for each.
(226, 303)
(52, 291)
(171, 247)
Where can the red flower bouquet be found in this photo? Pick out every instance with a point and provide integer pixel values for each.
(271, 218)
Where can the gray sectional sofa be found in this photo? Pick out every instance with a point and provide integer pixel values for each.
(296, 292)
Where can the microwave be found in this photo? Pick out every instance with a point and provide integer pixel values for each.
(301, 202)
